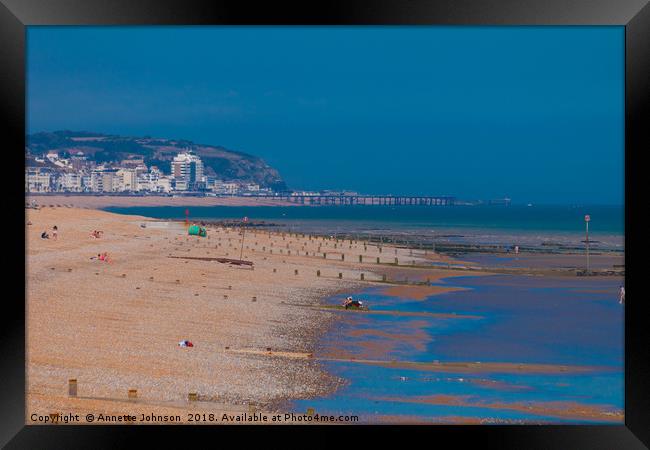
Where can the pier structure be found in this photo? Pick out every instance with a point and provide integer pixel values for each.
(369, 200)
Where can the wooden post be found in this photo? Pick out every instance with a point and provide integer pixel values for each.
(72, 387)
(360, 258)
(324, 255)
(340, 275)
(342, 257)
(377, 259)
(254, 299)
(362, 277)
(192, 397)
(318, 273)
(295, 272)
(396, 263)
(133, 393)
(383, 277)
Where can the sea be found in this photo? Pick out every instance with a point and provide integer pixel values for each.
(571, 322)
(543, 226)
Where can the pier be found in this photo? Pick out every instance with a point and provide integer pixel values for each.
(367, 200)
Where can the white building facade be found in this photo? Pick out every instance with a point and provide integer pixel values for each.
(187, 171)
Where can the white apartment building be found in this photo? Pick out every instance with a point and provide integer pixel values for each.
(86, 181)
(230, 188)
(127, 180)
(38, 181)
(154, 181)
(217, 186)
(72, 182)
(180, 184)
(187, 170)
(164, 184)
(104, 180)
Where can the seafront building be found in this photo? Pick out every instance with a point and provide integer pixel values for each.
(38, 180)
(187, 170)
(104, 180)
(130, 176)
(72, 182)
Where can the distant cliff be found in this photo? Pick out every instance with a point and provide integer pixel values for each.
(103, 148)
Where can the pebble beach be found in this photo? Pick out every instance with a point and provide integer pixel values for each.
(116, 325)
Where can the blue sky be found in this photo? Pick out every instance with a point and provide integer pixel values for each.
(535, 113)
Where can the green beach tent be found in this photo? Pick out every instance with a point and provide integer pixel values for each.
(196, 230)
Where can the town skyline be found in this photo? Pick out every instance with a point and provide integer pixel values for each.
(132, 175)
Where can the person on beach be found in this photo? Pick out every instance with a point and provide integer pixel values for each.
(621, 295)
(349, 303)
(44, 235)
(516, 249)
(55, 232)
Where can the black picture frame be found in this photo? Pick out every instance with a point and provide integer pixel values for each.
(634, 15)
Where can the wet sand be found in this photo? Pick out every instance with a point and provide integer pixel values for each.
(417, 292)
(440, 367)
(115, 326)
(597, 260)
(567, 410)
